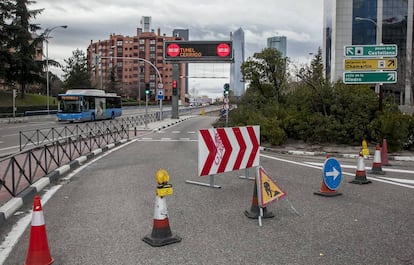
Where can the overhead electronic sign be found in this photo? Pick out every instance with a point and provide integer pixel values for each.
(198, 51)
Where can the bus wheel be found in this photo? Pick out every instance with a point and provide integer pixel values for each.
(93, 117)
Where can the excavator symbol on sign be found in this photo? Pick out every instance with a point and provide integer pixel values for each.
(269, 191)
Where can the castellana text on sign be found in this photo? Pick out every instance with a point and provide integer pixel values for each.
(371, 50)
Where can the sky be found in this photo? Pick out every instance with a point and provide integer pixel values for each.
(301, 22)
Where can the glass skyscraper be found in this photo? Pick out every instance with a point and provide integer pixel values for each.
(236, 77)
(371, 22)
(279, 43)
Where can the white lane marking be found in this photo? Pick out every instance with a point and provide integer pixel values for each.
(165, 140)
(191, 132)
(345, 173)
(175, 131)
(18, 229)
(10, 147)
(406, 181)
(8, 135)
(384, 169)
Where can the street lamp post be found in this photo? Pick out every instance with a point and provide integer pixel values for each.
(378, 41)
(46, 36)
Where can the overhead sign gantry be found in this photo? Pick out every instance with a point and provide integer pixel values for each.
(198, 51)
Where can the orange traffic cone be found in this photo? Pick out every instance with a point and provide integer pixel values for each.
(376, 165)
(384, 153)
(327, 192)
(38, 253)
(360, 174)
(324, 190)
(254, 209)
(161, 233)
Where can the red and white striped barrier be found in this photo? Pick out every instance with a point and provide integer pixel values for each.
(227, 149)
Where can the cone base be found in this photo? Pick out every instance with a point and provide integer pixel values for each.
(158, 242)
(360, 181)
(255, 215)
(327, 194)
(377, 172)
(31, 261)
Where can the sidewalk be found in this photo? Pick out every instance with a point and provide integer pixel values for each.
(166, 122)
(299, 148)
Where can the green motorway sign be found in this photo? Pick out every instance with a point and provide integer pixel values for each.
(389, 77)
(386, 50)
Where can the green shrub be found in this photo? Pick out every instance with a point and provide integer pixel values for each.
(394, 127)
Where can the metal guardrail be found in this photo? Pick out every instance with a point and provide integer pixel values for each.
(23, 169)
(32, 138)
(44, 150)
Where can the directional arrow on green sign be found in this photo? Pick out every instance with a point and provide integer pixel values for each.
(370, 77)
(371, 51)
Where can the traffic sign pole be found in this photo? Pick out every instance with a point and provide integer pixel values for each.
(161, 97)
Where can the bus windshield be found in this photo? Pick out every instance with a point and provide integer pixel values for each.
(68, 105)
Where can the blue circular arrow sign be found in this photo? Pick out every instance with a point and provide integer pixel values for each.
(332, 173)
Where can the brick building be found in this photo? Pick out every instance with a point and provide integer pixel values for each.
(127, 76)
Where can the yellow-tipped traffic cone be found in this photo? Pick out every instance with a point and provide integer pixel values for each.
(360, 174)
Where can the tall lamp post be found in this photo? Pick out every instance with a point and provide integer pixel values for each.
(378, 42)
(46, 35)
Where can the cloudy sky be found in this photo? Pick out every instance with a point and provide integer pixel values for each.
(299, 20)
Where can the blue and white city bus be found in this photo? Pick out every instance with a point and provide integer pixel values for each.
(88, 105)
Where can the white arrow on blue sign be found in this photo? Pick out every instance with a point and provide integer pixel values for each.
(160, 94)
(332, 173)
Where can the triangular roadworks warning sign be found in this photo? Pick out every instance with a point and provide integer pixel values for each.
(268, 190)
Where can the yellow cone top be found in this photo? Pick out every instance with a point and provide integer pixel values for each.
(365, 150)
(162, 176)
(364, 144)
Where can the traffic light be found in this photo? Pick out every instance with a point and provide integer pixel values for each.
(174, 88)
(226, 89)
(147, 89)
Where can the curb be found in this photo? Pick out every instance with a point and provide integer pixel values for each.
(8, 209)
(171, 123)
(333, 154)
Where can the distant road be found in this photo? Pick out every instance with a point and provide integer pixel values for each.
(10, 128)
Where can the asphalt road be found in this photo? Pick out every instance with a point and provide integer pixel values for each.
(100, 213)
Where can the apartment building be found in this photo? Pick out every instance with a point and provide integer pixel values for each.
(128, 65)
